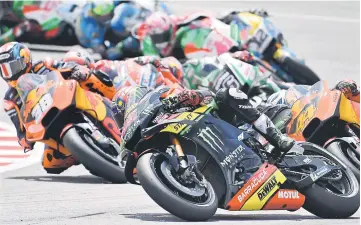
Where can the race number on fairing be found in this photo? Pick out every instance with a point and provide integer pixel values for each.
(43, 105)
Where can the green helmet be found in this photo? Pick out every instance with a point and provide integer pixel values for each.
(102, 11)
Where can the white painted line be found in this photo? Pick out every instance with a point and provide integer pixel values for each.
(10, 160)
(316, 17)
(13, 152)
(7, 134)
(8, 127)
(33, 157)
(8, 143)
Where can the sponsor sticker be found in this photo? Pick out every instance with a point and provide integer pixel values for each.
(289, 194)
(4, 56)
(260, 178)
(268, 187)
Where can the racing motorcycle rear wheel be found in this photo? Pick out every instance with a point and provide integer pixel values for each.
(301, 73)
(329, 197)
(347, 155)
(186, 200)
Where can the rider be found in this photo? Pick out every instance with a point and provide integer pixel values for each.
(232, 103)
(348, 87)
(15, 61)
(16, 25)
(233, 106)
(186, 36)
(111, 21)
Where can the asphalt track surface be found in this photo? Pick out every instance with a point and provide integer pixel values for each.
(327, 34)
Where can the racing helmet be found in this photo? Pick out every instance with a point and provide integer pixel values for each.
(102, 11)
(80, 58)
(161, 29)
(15, 60)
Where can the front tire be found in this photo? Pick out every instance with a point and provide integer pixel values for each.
(87, 154)
(324, 201)
(165, 195)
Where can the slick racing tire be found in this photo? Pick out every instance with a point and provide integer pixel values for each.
(323, 199)
(347, 156)
(168, 196)
(90, 156)
(301, 73)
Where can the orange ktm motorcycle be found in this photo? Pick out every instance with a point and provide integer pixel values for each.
(327, 118)
(62, 115)
(191, 163)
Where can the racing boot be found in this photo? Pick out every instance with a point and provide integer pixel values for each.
(56, 162)
(265, 126)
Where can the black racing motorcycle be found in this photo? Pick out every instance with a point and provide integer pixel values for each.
(191, 163)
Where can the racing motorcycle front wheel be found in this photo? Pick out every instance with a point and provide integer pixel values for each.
(99, 161)
(187, 199)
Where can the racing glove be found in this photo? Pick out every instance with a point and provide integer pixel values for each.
(154, 60)
(348, 87)
(80, 73)
(244, 56)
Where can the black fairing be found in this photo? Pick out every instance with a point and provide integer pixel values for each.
(224, 143)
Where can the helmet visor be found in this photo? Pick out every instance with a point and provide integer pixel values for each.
(160, 38)
(10, 70)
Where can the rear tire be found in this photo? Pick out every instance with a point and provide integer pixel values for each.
(301, 73)
(323, 202)
(167, 198)
(336, 149)
(86, 154)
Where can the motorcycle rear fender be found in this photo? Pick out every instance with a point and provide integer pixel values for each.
(84, 126)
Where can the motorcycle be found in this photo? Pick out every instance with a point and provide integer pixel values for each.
(45, 22)
(327, 118)
(61, 114)
(230, 72)
(191, 163)
(261, 37)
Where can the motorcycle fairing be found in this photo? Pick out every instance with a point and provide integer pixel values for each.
(349, 110)
(90, 102)
(262, 192)
(312, 106)
(33, 88)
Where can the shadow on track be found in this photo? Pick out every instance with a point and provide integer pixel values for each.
(164, 217)
(84, 179)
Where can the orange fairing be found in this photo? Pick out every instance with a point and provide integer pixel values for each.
(321, 105)
(251, 187)
(90, 102)
(62, 97)
(285, 199)
(349, 111)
